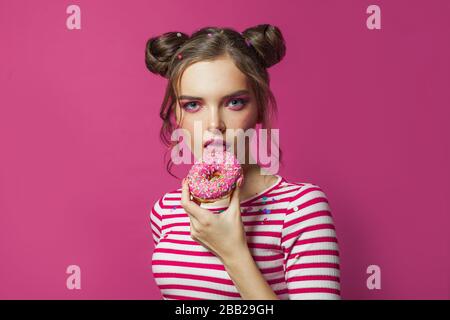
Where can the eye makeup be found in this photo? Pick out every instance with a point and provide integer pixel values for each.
(189, 107)
(235, 103)
(242, 103)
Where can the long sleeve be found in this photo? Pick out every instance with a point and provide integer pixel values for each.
(311, 251)
(156, 220)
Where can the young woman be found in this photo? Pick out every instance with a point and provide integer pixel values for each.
(273, 239)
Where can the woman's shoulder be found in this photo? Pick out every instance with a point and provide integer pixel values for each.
(294, 185)
(302, 191)
(164, 205)
(169, 199)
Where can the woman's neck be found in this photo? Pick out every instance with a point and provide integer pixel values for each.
(254, 182)
(250, 169)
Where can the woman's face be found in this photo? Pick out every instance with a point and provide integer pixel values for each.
(215, 95)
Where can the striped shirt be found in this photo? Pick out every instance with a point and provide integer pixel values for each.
(290, 234)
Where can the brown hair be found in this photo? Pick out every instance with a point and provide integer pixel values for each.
(253, 51)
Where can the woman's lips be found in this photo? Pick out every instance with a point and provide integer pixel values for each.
(216, 143)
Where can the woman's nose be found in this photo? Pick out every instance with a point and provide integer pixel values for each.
(215, 121)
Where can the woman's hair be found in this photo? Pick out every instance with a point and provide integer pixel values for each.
(253, 51)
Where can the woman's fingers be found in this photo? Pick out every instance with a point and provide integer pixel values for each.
(235, 201)
(186, 202)
(190, 206)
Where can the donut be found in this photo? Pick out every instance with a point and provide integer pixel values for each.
(214, 176)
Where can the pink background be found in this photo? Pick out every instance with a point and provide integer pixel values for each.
(363, 113)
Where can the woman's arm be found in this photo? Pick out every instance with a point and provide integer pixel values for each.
(247, 278)
(211, 229)
(309, 241)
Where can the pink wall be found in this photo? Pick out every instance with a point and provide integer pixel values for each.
(363, 113)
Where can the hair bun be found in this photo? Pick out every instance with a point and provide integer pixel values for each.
(268, 42)
(160, 50)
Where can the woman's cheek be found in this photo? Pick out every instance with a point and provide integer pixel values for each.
(248, 118)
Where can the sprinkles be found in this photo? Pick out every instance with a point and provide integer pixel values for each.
(215, 176)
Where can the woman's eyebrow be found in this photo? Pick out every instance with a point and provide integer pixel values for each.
(236, 93)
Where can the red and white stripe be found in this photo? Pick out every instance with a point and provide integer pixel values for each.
(294, 246)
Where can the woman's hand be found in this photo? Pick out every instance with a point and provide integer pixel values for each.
(223, 234)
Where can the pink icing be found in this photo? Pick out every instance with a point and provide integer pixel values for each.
(202, 181)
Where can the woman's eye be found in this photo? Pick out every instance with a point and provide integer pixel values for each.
(191, 106)
(237, 103)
